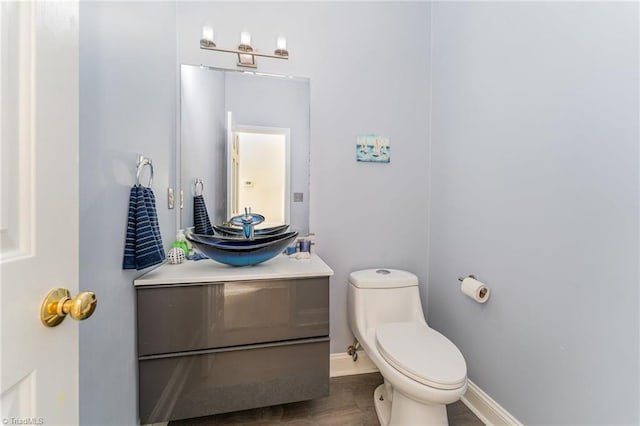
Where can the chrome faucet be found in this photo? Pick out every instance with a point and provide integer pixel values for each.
(248, 220)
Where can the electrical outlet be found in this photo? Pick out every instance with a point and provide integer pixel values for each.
(298, 197)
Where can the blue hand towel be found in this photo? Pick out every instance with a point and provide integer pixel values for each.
(143, 244)
(201, 222)
(129, 260)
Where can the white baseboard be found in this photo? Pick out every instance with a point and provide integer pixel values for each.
(485, 408)
(482, 405)
(341, 364)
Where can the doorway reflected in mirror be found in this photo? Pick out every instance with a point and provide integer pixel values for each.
(259, 173)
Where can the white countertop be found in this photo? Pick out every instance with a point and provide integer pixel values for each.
(207, 270)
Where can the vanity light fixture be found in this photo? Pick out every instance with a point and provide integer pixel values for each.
(246, 53)
(207, 36)
(281, 47)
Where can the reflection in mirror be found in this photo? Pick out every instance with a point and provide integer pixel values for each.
(247, 137)
(257, 173)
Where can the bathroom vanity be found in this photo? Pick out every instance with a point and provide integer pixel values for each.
(214, 338)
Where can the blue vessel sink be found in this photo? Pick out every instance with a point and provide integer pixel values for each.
(238, 251)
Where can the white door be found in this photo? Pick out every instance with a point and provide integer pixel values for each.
(39, 209)
(264, 172)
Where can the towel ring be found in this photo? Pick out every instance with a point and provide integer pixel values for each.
(143, 161)
(198, 182)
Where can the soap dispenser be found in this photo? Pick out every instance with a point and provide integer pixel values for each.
(182, 242)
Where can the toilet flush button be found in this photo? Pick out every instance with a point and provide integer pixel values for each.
(383, 272)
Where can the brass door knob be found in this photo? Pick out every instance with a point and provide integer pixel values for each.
(58, 303)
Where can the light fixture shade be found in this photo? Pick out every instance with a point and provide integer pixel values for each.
(281, 43)
(207, 32)
(281, 47)
(245, 38)
(207, 36)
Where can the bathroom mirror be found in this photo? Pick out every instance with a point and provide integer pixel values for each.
(246, 135)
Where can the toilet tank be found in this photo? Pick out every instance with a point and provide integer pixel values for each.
(379, 296)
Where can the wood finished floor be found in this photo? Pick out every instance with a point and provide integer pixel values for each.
(350, 402)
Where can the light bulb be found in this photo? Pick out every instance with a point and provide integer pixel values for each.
(207, 33)
(245, 38)
(281, 43)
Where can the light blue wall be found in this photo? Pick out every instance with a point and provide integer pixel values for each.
(534, 167)
(127, 106)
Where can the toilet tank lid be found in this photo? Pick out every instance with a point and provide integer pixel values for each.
(382, 278)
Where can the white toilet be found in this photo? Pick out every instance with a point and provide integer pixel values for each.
(422, 370)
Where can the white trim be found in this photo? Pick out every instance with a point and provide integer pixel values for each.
(341, 364)
(485, 408)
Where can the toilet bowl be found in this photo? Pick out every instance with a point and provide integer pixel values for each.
(422, 369)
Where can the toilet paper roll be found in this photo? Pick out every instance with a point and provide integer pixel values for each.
(475, 289)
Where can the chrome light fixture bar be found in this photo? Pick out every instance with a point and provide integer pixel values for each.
(246, 53)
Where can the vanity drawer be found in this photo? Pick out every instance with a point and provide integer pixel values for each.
(224, 380)
(215, 315)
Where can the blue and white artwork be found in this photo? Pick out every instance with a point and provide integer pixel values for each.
(373, 148)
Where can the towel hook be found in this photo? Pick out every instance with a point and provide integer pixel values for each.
(144, 161)
(197, 182)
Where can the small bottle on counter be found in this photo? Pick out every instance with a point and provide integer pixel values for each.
(181, 242)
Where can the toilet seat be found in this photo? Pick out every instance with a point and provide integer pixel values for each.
(422, 354)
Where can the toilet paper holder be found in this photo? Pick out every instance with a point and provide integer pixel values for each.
(468, 276)
(483, 292)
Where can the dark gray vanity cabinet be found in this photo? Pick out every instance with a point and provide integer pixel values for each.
(213, 347)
